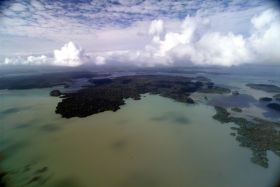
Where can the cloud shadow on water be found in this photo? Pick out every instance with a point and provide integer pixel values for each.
(50, 127)
(172, 117)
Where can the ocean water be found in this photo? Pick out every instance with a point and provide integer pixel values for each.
(153, 142)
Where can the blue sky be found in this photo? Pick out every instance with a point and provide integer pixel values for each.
(118, 30)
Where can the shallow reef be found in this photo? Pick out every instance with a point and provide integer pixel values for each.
(236, 109)
(109, 95)
(257, 134)
(30, 175)
(274, 106)
(266, 99)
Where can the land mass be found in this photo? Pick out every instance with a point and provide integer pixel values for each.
(109, 94)
(45, 80)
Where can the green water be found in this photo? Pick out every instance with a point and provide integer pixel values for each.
(148, 143)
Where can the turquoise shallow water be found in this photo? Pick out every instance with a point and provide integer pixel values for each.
(151, 142)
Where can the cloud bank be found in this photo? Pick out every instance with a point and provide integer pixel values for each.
(29, 60)
(69, 55)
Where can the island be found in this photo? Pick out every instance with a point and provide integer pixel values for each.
(110, 94)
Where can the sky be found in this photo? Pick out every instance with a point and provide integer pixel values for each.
(139, 32)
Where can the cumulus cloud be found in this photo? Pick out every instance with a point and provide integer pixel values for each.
(265, 40)
(69, 55)
(194, 43)
(215, 48)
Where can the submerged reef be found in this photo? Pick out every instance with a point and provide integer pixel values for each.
(257, 134)
(109, 95)
(274, 106)
(236, 109)
(266, 99)
(55, 93)
(277, 97)
(265, 87)
(239, 101)
(2, 180)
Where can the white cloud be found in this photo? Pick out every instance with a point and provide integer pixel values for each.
(29, 60)
(37, 5)
(156, 27)
(265, 40)
(216, 49)
(100, 60)
(69, 55)
(264, 19)
(192, 43)
(37, 60)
